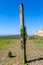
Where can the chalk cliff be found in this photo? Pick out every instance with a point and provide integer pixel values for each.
(39, 32)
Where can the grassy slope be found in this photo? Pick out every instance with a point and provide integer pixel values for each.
(5, 41)
(34, 43)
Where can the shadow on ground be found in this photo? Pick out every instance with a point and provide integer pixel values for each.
(38, 59)
(13, 56)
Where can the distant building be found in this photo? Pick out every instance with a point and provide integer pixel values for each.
(39, 32)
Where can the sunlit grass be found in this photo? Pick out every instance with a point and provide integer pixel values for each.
(4, 42)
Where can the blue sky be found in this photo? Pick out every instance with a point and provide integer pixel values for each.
(10, 16)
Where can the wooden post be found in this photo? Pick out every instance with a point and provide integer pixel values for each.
(22, 25)
(23, 31)
(21, 16)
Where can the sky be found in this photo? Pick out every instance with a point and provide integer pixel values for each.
(10, 16)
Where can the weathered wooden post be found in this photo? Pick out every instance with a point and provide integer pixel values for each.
(22, 24)
(23, 31)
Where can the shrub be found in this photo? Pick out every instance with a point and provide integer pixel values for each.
(10, 54)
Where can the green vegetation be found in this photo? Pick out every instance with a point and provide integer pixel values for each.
(23, 37)
(6, 41)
